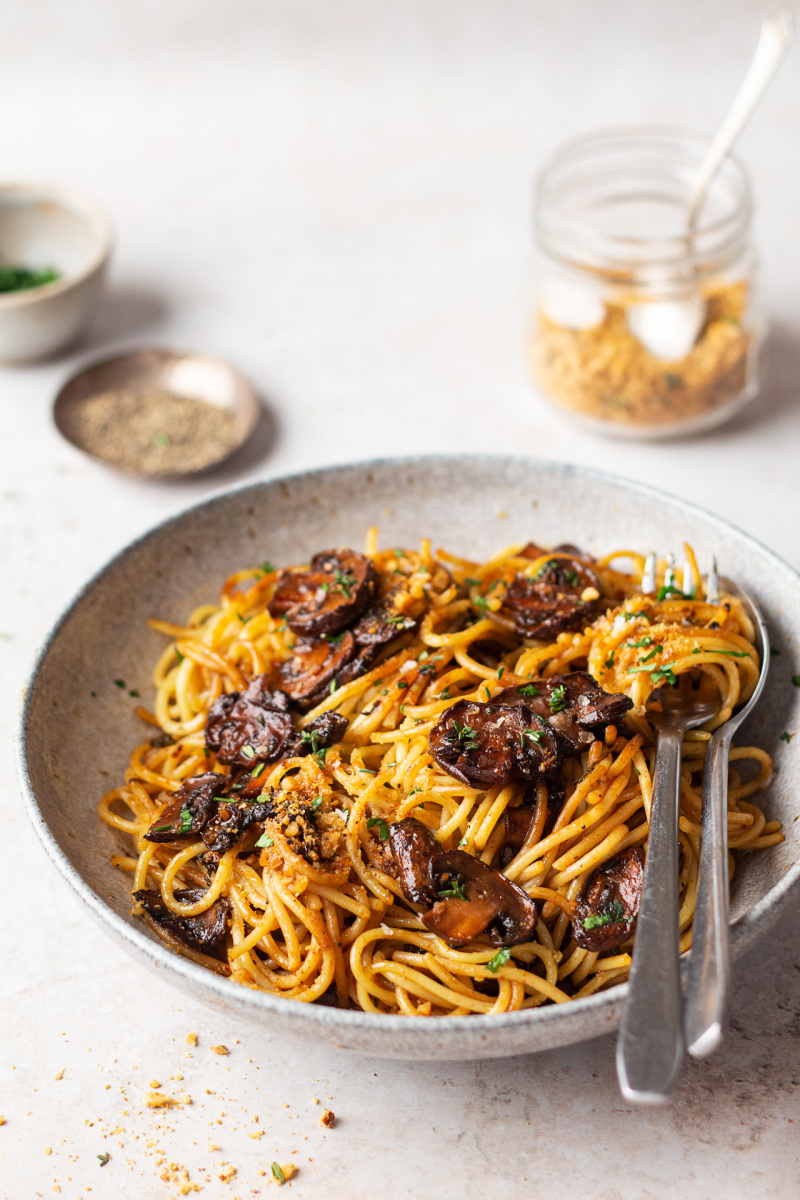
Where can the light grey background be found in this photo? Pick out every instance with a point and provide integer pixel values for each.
(337, 198)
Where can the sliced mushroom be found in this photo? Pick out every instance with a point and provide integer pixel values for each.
(251, 726)
(206, 931)
(231, 820)
(564, 594)
(379, 627)
(189, 809)
(487, 651)
(483, 744)
(321, 733)
(607, 908)
(573, 704)
(493, 904)
(412, 845)
(518, 821)
(331, 594)
(314, 663)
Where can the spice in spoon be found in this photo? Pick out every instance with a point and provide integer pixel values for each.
(153, 432)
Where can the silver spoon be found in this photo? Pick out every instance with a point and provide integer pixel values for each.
(709, 965)
(777, 34)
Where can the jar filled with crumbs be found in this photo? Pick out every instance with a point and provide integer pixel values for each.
(644, 328)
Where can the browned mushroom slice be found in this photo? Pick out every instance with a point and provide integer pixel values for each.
(231, 820)
(332, 593)
(249, 727)
(379, 627)
(314, 663)
(518, 821)
(573, 704)
(555, 600)
(321, 733)
(607, 908)
(487, 651)
(206, 931)
(483, 744)
(476, 899)
(189, 809)
(412, 845)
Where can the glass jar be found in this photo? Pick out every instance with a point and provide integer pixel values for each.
(644, 329)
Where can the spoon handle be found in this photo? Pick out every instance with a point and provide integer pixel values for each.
(650, 1046)
(777, 34)
(709, 966)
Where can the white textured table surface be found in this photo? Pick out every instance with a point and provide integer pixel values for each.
(336, 197)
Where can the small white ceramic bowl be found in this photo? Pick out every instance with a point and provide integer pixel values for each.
(43, 227)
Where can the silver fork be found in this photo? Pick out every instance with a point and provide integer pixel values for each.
(709, 965)
(650, 1042)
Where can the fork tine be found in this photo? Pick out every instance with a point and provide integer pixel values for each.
(669, 574)
(712, 584)
(649, 576)
(687, 581)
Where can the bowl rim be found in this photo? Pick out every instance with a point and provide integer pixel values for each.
(70, 200)
(743, 932)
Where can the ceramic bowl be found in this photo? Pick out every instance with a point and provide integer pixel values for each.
(42, 227)
(77, 728)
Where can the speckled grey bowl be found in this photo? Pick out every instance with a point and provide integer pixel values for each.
(77, 728)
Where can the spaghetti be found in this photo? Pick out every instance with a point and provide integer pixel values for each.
(290, 885)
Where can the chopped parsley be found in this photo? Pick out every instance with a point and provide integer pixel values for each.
(453, 891)
(277, 1172)
(104, 1158)
(444, 694)
(612, 913)
(669, 589)
(402, 683)
(259, 770)
(367, 771)
(248, 751)
(471, 582)
(381, 826)
(528, 689)
(332, 686)
(487, 693)
(481, 602)
(631, 616)
(642, 642)
(264, 842)
(398, 621)
(774, 651)
(573, 577)
(500, 671)
(134, 693)
(558, 699)
(608, 664)
(787, 737)
(345, 582)
(186, 821)
(315, 803)
(465, 735)
(796, 680)
(697, 650)
(736, 654)
(649, 657)
(120, 683)
(536, 735)
(500, 959)
(665, 674)
(267, 567)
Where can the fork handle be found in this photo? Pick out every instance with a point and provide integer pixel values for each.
(650, 1046)
(709, 966)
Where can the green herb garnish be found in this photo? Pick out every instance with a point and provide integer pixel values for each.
(500, 672)
(345, 582)
(186, 821)
(248, 751)
(796, 680)
(267, 567)
(103, 1159)
(642, 642)
(379, 824)
(558, 698)
(120, 683)
(277, 1172)
(608, 664)
(669, 589)
(453, 891)
(264, 842)
(612, 913)
(787, 737)
(332, 687)
(528, 689)
(465, 735)
(259, 770)
(500, 959)
(536, 735)
(648, 657)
